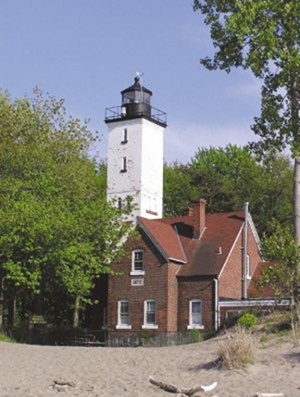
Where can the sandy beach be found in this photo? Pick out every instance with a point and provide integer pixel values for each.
(123, 372)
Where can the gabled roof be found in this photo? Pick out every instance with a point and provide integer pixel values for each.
(173, 237)
(165, 238)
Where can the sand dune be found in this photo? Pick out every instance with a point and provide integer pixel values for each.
(123, 372)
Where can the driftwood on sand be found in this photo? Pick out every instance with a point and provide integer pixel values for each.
(269, 395)
(181, 390)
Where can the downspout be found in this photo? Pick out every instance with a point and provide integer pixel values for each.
(216, 305)
(245, 251)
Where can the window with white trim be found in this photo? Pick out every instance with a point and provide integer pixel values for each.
(137, 267)
(195, 314)
(123, 315)
(150, 314)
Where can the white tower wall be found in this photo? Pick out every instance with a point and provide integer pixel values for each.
(143, 179)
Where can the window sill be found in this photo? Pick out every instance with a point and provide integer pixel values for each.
(123, 326)
(150, 326)
(195, 326)
(137, 273)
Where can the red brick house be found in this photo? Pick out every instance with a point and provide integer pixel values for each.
(181, 272)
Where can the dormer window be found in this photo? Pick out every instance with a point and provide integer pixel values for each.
(124, 164)
(137, 266)
(125, 136)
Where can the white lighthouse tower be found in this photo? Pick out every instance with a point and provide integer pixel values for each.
(135, 151)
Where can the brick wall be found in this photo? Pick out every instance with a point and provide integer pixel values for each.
(159, 284)
(231, 279)
(196, 288)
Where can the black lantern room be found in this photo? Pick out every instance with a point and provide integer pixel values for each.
(136, 100)
(136, 103)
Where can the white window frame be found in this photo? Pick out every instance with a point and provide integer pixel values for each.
(248, 267)
(134, 271)
(192, 325)
(148, 325)
(121, 325)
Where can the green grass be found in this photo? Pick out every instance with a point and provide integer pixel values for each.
(4, 338)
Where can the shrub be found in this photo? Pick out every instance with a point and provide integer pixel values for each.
(195, 336)
(247, 320)
(5, 338)
(239, 350)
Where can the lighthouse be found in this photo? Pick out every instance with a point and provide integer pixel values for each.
(135, 151)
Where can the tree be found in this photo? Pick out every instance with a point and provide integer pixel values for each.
(56, 227)
(179, 192)
(263, 36)
(282, 274)
(227, 178)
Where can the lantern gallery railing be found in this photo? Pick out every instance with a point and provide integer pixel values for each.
(134, 111)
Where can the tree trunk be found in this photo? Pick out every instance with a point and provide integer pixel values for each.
(76, 313)
(1, 300)
(296, 199)
(296, 203)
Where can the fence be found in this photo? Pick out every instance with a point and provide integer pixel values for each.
(158, 339)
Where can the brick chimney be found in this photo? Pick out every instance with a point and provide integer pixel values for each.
(198, 218)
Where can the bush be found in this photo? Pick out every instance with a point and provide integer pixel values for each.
(5, 338)
(247, 320)
(195, 336)
(239, 350)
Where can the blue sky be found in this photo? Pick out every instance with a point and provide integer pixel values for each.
(87, 51)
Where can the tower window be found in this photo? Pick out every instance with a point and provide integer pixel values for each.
(125, 136)
(124, 164)
(119, 203)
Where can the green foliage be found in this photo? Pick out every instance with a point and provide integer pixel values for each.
(227, 178)
(57, 232)
(263, 36)
(247, 320)
(195, 336)
(5, 338)
(179, 190)
(143, 337)
(283, 253)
